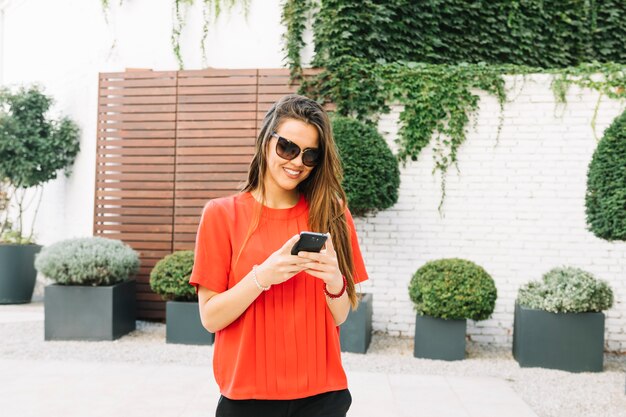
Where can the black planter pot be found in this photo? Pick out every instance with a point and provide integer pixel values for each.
(75, 312)
(437, 338)
(356, 332)
(571, 342)
(183, 324)
(17, 273)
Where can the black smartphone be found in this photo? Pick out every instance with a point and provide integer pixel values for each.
(309, 242)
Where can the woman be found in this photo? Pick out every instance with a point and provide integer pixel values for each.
(276, 315)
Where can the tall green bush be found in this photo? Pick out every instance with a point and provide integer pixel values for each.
(453, 289)
(605, 199)
(371, 173)
(33, 148)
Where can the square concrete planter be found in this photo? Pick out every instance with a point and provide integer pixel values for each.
(17, 273)
(356, 332)
(183, 324)
(76, 312)
(441, 339)
(571, 342)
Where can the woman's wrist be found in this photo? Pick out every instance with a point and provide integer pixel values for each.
(336, 289)
(258, 280)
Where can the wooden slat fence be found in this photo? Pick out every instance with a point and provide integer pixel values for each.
(167, 143)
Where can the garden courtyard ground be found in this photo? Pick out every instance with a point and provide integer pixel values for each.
(141, 375)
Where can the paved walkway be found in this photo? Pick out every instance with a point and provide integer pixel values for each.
(45, 388)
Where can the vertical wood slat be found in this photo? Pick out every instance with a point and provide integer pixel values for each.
(135, 170)
(167, 143)
(214, 148)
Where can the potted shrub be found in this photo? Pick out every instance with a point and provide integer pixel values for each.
(447, 292)
(371, 179)
(559, 322)
(93, 297)
(170, 279)
(356, 332)
(33, 148)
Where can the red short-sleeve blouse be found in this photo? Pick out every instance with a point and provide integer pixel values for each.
(286, 344)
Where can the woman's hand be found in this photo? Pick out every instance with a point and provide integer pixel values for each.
(324, 265)
(281, 265)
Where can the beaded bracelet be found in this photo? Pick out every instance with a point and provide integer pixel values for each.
(340, 293)
(254, 267)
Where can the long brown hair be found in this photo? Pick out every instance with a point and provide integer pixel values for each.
(322, 188)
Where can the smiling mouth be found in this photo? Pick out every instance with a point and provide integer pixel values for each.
(291, 173)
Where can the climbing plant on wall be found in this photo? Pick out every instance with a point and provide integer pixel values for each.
(439, 100)
(535, 33)
(211, 11)
(433, 56)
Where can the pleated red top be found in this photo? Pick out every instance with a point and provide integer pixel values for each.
(286, 344)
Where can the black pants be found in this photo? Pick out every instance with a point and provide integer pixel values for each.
(328, 404)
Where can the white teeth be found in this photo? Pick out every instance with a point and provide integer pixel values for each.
(290, 172)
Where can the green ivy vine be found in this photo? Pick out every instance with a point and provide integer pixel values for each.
(294, 18)
(439, 100)
(609, 79)
(211, 11)
(105, 8)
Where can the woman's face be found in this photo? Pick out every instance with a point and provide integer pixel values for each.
(283, 174)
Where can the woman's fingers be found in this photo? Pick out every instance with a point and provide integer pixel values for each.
(329, 244)
(310, 255)
(318, 266)
(289, 244)
(324, 276)
(323, 258)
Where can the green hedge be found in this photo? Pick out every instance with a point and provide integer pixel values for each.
(170, 277)
(539, 33)
(453, 289)
(371, 173)
(606, 184)
(567, 290)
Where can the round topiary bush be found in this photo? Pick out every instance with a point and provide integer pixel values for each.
(88, 261)
(371, 173)
(566, 290)
(170, 277)
(453, 289)
(605, 200)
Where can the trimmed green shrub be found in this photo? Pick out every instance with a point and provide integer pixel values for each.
(170, 277)
(88, 261)
(371, 173)
(605, 200)
(566, 290)
(453, 289)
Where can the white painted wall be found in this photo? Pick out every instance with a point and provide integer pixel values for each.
(517, 208)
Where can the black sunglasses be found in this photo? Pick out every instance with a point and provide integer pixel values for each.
(286, 149)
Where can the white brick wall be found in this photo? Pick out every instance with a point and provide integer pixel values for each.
(516, 209)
